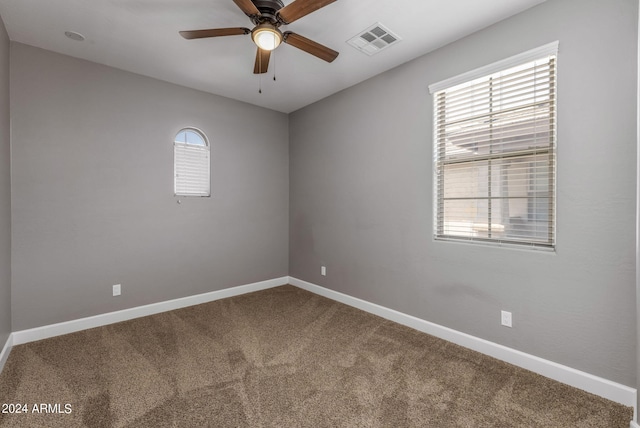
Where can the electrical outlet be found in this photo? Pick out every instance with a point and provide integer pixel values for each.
(506, 318)
(323, 270)
(116, 289)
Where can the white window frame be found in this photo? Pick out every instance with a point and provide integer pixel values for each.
(191, 166)
(440, 231)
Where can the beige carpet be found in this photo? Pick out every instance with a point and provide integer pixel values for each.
(282, 357)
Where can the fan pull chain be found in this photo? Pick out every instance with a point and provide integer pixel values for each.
(274, 65)
(260, 74)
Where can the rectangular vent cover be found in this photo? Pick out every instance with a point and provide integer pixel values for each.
(374, 39)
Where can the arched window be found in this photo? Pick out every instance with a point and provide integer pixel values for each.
(191, 163)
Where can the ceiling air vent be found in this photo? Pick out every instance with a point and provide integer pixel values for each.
(374, 39)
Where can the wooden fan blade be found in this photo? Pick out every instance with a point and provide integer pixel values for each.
(247, 7)
(309, 46)
(262, 61)
(214, 32)
(300, 8)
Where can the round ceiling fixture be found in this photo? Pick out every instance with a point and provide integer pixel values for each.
(74, 36)
(266, 36)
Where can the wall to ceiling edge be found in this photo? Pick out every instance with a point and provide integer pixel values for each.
(361, 196)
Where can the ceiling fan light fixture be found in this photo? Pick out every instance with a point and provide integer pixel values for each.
(266, 36)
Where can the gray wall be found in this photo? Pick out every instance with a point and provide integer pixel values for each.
(361, 196)
(638, 232)
(93, 200)
(5, 191)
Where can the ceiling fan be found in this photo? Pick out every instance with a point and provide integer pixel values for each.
(268, 16)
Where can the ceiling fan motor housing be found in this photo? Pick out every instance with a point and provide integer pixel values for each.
(268, 9)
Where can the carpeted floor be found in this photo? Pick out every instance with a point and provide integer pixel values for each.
(282, 357)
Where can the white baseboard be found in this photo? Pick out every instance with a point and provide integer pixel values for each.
(634, 425)
(596, 385)
(6, 349)
(47, 331)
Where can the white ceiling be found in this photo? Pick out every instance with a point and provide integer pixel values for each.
(142, 36)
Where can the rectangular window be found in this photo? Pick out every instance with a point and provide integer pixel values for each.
(494, 152)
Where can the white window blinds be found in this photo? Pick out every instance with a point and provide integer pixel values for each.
(191, 164)
(494, 155)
